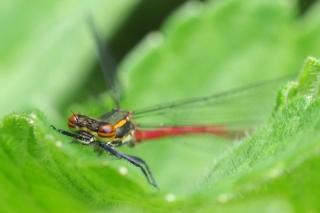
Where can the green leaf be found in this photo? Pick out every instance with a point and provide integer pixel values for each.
(205, 49)
(202, 49)
(44, 173)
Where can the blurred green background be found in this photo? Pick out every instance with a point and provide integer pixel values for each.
(164, 51)
(48, 45)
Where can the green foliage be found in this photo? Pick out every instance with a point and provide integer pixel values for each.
(202, 49)
(47, 50)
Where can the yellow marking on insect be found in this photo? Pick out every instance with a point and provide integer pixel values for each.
(121, 123)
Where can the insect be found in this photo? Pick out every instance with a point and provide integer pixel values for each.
(117, 128)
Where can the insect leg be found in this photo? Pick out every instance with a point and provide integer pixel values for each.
(78, 137)
(133, 160)
(137, 159)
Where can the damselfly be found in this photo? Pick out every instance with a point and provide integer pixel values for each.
(200, 116)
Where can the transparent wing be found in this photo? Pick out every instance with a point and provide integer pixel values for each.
(245, 105)
(107, 63)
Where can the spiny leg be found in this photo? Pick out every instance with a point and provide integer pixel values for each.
(133, 160)
(76, 136)
(147, 167)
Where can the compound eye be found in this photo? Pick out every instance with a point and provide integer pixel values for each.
(73, 121)
(106, 132)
